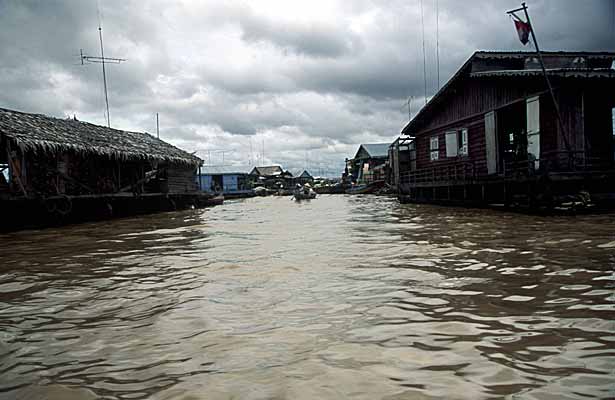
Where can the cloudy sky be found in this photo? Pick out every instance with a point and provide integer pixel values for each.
(309, 80)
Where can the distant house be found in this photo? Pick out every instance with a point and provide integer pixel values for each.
(272, 176)
(402, 158)
(50, 164)
(368, 164)
(301, 176)
(492, 133)
(271, 171)
(227, 179)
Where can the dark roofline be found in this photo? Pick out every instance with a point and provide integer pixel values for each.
(406, 130)
(561, 72)
(362, 146)
(257, 169)
(522, 54)
(481, 54)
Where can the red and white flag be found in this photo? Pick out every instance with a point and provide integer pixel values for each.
(523, 30)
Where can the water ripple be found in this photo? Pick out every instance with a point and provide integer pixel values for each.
(340, 297)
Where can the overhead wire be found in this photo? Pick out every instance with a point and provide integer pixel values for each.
(424, 62)
(438, 43)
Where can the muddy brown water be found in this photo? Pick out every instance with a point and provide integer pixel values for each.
(339, 297)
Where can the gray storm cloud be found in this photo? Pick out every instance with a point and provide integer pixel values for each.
(308, 84)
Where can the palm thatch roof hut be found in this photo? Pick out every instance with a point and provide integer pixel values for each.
(42, 156)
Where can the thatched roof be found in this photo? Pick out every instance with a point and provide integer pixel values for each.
(40, 133)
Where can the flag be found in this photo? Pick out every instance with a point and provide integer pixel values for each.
(523, 30)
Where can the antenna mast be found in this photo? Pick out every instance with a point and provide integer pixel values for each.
(102, 54)
(102, 60)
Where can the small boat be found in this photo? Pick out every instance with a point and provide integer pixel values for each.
(210, 199)
(261, 191)
(304, 192)
(215, 201)
(365, 189)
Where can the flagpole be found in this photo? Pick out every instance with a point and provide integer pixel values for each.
(544, 72)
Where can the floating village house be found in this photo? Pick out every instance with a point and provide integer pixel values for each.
(369, 163)
(402, 158)
(301, 177)
(492, 133)
(71, 169)
(271, 176)
(226, 179)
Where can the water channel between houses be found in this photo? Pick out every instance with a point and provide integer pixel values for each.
(353, 297)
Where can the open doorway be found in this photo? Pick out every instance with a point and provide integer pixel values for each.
(512, 135)
(216, 183)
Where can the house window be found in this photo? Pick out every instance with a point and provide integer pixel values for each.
(452, 148)
(457, 143)
(434, 148)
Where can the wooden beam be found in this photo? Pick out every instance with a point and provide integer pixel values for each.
(73, 180)
(12, 164)
(148, 177)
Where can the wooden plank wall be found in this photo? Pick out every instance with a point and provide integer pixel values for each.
(473, 96)
(476, 145)
(181, 179)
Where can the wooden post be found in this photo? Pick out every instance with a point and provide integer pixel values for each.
(12, 164)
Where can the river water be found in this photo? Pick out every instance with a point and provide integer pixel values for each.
(339, 297)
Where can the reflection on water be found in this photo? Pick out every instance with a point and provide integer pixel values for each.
(341, 297)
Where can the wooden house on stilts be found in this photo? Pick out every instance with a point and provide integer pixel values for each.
(56, 170)
(492, 133)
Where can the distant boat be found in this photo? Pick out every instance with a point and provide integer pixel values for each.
(304, 193)
(261, 191)
(215, 201)
(366, 188)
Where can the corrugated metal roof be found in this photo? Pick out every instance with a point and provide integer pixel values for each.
(225, 170)
(411, 126)
(39, 132)
(300, 173)
(561, 72)
(377, 149)
(523, 54)
(271, 170)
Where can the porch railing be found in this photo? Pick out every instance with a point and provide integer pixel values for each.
(554, 162)
(450, 174)
(465, 172)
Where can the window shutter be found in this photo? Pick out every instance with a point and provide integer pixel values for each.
(463, 149)
(533, 129)
(451, 144)
(434, 146)
(491, 143)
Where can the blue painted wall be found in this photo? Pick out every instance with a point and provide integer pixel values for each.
(229, 183)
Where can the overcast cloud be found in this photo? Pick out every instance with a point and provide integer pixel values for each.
(308, 79)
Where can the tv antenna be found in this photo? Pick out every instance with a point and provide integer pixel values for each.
(101, 60)
(408, 103)
(209, 151)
